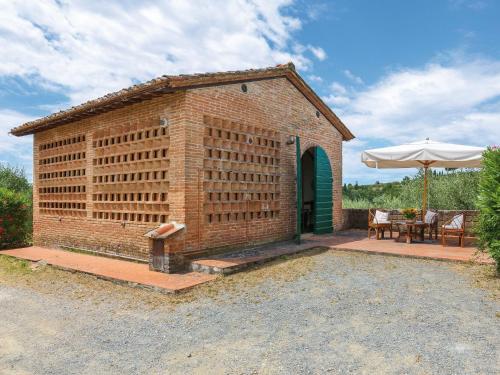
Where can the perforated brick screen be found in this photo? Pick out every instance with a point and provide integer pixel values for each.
(130, 176)
(62, 184)
(241, 172)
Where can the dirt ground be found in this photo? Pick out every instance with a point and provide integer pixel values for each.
(319, 312)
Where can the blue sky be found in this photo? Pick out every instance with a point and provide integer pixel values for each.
(394, 71)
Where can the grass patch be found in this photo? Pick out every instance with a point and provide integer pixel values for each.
(10, 266)
(482, 276)
(88, 288)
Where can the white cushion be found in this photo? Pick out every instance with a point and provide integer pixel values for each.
(381, 217)
(429, 216)
(456, 222)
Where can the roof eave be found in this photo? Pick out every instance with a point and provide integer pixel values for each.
(172, 84)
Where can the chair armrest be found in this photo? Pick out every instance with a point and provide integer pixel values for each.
(371, 216)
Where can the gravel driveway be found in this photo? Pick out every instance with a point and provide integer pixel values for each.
(326, 312)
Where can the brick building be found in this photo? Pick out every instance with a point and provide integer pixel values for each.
(215, 152)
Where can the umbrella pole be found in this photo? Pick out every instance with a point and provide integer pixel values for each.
(424, 198)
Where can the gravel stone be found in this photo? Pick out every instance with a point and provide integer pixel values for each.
(344, 313)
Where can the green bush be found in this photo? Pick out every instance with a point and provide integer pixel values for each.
(451, 190)
(355, 203)
(14, 179)
(488, 228)
(15, 218)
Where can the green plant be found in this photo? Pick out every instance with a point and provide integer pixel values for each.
(488, 227)
(358, 203)
(14, 179)
(409, 213)
(15, 218)
(450, 190)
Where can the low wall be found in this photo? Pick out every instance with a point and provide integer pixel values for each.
(357, 218)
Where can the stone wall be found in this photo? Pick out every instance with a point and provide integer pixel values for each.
(357, 218)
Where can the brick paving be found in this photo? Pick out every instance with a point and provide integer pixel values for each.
(358, 241)
(112, 269)
(345, 241)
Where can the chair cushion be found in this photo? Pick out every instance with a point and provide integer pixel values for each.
(430, 217)
(456, 222)
(381, 217)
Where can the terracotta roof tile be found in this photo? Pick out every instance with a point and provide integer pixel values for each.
(164, 84)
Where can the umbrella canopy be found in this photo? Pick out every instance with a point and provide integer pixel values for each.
(424, 153)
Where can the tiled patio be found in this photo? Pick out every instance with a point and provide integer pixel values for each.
(203, 269)
(352, 240)
(356, 240)
(111, 269)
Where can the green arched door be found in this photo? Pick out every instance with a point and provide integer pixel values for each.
(323, 201)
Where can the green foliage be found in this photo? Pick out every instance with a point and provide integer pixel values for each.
(15, 207)
(15, 218)
(451, 190)
(488, 228)
(360, 203)
(14, 179)
(369, 192)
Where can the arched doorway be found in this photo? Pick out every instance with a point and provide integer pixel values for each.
(317, 200)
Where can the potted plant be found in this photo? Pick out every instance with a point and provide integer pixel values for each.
(409, 214)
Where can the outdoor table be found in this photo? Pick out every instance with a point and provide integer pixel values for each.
(410, 229)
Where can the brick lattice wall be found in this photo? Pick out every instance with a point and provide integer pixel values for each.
(241, 172)
(130, 173)
(62, 177)
(126, 182)
(222, 167)
(271, 110)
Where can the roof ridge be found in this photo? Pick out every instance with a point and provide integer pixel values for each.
(169, 83)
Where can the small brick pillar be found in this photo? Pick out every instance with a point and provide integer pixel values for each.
(161, 259)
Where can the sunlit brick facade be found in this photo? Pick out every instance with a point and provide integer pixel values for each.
(212, 155)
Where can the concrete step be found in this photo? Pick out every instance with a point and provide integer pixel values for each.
(236, 261)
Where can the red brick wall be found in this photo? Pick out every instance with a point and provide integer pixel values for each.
(270, 109)
(276, 106)
(87, 227)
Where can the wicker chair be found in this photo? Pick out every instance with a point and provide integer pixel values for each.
(455, 227)
(378, 220)
(431, 219)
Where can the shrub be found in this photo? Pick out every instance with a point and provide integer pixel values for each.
(451, 190)
(14, 179)
(15, 218)
(488, 228)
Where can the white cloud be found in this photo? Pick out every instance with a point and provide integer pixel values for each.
(14, 150)
(445, 102)
(9, 119)
(353, 77)
(339, 96)
(85, 49)
(318, 52)
(338, 88)
(314, 78)
(336, 100)
(454, 102)
(470, 4)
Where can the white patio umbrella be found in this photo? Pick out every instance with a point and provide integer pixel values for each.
(424, 154)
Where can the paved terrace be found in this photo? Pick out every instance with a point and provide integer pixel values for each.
(111, 269)
(203, 270)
